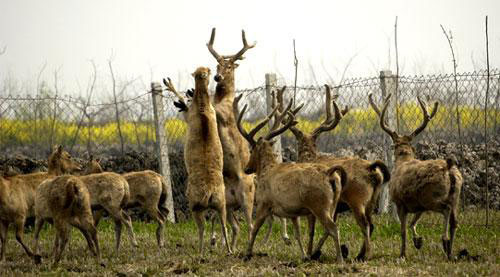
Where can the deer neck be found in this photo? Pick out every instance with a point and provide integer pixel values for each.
(225, 88)
(403, 157)
(267, 160)
(201, 98)
(55, 171)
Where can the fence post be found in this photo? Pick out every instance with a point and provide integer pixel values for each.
(271, 84)
(161, 146)
(387, 85)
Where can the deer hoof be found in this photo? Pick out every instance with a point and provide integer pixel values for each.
(344, 250)
(418, 242)
(247, 257)
(315, 256)
(37, 258)
(446, 247)
(213, 241)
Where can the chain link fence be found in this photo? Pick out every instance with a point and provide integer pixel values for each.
(122, 131)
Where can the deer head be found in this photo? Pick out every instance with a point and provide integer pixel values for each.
(402, 143)
(262, 151)
(306, 143)
(226, 64)
(60, 162)
(93, 166)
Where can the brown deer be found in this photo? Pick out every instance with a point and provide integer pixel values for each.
(365, 178)
(203, 156)
(66, 200)
(417, 186)
(17, 197)
(240, 187)
(109, 192)
(291, 189)
(147, 190)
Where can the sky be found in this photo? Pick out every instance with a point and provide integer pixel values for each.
(148, 40)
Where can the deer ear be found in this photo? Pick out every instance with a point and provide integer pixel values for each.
(193, 74)
(59, 149)
(272, 142)
(236, 65)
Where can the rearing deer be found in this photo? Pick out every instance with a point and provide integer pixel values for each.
(291, 189)
(365, 178)
(240, 187)
(417, 186)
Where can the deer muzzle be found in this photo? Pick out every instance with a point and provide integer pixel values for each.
(218, 78)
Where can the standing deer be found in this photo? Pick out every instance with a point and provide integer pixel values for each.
(365, 178)
(66, 200)
(291, 189)
(240, 187)
(203, 155)
(17, 197)
(147, 190)
(417, 186)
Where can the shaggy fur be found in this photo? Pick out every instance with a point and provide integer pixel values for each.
(417, 186)
(365, 178)
(203, 158)
(147, 190)
(291, 189)
(17, 197)
(66, 200)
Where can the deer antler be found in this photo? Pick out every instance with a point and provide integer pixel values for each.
(232, 58)
(427, 117)
(181, 104)
(210, 46)
(249, 136)
(329, 123)
(381, 115)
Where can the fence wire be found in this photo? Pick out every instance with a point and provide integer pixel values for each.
(31, 125)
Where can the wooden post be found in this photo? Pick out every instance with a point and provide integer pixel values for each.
(387, 85)
(271, 84)
(161, 146)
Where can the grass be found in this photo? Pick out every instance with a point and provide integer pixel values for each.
(181, 257)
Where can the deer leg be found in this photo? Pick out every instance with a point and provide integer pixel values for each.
(453, 227)
(402, 219)
(270, 220)
(445, 238)
(200, 222)
(296, 230)
(4, 226)
(19, 223)
(38, 227)
(262, 214)
(98, 216)
(234, 227)
(330, 229)
(247, 206)
(311, 220)
(417, 241)
(223, 215)
(213, 237)
(156, 215)
(63, 234)
(363, 223)
(284, 231)
(120, 217)
(369, 218)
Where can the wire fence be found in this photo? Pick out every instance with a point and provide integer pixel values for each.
(31, 125)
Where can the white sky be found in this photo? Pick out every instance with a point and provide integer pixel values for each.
(168, 38)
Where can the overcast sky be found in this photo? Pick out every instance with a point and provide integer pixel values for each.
(168, 38)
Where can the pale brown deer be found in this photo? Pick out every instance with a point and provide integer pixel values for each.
(365, 178)
(66, 200)
(109, 192)
(291, 189)
(147, 190)
(203, 156)
(240, 188)
(417, 186)
(17, 197)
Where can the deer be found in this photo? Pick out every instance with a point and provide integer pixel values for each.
(240, 187)
(147, 190)
(417, 186)
(291, 189)
(364, 181)
(108, 192)
(66, 200)
(203, 156)
(17, 197)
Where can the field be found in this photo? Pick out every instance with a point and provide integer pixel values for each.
(180, 256)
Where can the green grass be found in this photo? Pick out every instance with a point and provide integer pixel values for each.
(181, 257)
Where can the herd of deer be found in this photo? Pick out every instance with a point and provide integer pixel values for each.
(229, 169)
